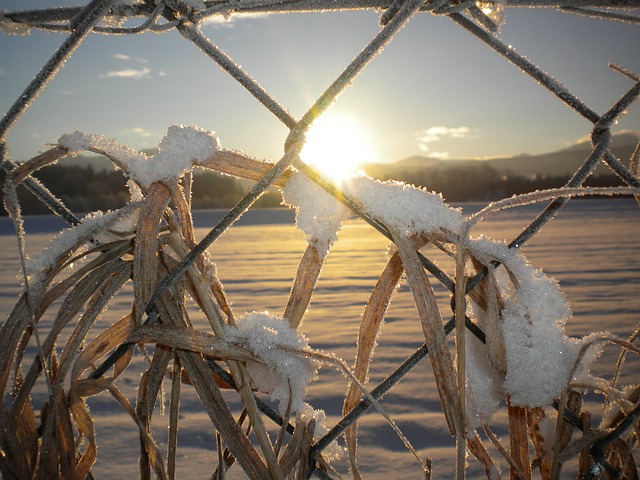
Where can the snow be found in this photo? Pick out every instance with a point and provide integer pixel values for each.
(180, 149)
(404, 208)
(92, 226)
(9, 27)
(540, 356)
(318, 214)
(272, 341)
(484, 385)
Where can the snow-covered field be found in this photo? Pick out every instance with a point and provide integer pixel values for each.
(592, 249)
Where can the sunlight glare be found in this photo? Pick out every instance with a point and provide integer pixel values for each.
(337, 146)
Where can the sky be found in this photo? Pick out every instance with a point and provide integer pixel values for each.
(435, 91)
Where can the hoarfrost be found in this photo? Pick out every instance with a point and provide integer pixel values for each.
(273, 341)
(405, 208)
(91, 226)
(333, 451)
(539, 354)
(318, 214)
(9, 27)
(484, 385)
(180, 149)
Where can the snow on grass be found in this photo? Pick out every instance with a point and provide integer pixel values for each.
(93, 227)
(284, 374)
(180, 149)
(405, 208)
(540, 356)
(318, 214)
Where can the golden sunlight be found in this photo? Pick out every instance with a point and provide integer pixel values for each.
(337, 146)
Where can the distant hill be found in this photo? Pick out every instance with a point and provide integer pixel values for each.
(561, 162)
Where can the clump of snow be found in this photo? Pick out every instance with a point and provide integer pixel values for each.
(180, 149)
(540, 356)
(283, 373)
(484, 385)
(318, 214)
(333, 451)
(404, 208)
(9, 27)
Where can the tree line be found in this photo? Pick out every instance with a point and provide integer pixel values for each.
(85, 189)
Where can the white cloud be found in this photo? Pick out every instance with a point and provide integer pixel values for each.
(221, 21)
(141, 131)
(120, 56)
(433, 134)
(129, 73)
(439, 155)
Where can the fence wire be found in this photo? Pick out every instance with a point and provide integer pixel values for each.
(163, 15)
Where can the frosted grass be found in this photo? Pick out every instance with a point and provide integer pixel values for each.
(584, 256)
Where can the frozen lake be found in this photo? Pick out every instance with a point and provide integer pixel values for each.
(592, 248)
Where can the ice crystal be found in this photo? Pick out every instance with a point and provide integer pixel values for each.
(280, 371)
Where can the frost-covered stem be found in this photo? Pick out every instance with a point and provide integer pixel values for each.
(344, 368)
(238, 371)
(377, 44)
(173, 419)
(460, 312)
(191, 32)
(577, 179)
(527, 67)
(39, 191)
(82, 27)
(356, 208)
(378, 392)
(593, 13)
(229, 219)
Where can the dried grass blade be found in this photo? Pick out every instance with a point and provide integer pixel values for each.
(104, 342)
(190, 340)
(101, 296)
(240, 165)
(303, 285)
(23, 170)
(150, 446)
(18, 458)
(73, 303)
(174, 411)
(571, 402)
(307, 441)
(487, 296)
(477, 448)
(370, 326)
(535, 416)
(216, 407)
(518, 442)
(291, 453)
(238, 371)
(145, 266)
(435, 339)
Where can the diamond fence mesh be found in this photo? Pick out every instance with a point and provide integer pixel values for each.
(60, 441)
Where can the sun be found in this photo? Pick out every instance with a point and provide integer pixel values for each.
(337, 146)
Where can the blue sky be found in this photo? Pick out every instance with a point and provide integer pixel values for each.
(435, 91)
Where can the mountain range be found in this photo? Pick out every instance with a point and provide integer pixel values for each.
(559, 163)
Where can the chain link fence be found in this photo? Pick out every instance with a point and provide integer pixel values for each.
(476, 17)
